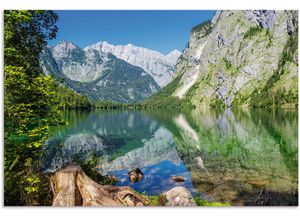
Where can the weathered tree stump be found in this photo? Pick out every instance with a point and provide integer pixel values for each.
(72, 187)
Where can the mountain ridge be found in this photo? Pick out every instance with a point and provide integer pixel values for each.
(159, 66)
(239, 58)
(100, 76)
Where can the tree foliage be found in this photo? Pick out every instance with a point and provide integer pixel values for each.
(205, 28)
(32, 102)
(164, 98)
(25, 35)
(253, 31)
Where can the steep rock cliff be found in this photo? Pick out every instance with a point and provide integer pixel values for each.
(240, 58)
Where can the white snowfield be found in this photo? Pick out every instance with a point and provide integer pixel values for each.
(159, 66)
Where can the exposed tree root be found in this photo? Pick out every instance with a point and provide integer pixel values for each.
(72, 187)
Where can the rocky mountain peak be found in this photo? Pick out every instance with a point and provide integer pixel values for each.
(173, 56)
(159, 66)
(264, 18)
(96, 73)
(64, 48)
(67, 45)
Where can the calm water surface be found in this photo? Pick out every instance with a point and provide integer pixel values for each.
(245, 157)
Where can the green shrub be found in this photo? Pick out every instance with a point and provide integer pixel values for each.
(252, 32)
(227, 64)
(89, 167)
(164, 98)
(204, 27)
(269, 96)
(159, 200)
(201, 202)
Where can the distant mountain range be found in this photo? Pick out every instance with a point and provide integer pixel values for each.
(239, 58)
(159, 66)
(107, 72)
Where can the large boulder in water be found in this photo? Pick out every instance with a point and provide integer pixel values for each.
(135, 175)
(179, 196)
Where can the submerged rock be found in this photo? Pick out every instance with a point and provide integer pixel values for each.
(177, 178)
(135, 175)
(179, 196)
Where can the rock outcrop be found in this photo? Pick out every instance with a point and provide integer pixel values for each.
(179, 196)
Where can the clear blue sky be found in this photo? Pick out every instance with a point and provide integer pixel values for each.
(159, 30)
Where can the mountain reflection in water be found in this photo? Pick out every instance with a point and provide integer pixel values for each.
(245, 157)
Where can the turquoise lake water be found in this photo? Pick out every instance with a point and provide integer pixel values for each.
(245, 157)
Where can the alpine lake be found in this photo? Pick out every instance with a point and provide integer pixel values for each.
(244, 157)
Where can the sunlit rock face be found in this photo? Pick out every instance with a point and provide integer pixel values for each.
(77, 64)
(159, 66)
(238, 55)
(97, 74)
(107, 72)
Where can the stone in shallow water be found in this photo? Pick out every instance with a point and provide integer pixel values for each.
(177, 178)
(135, 175)
(179, 196)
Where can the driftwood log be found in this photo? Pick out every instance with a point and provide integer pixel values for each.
(72, 187)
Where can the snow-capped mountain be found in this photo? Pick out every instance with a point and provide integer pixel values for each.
(159, 66)
(99, 75)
